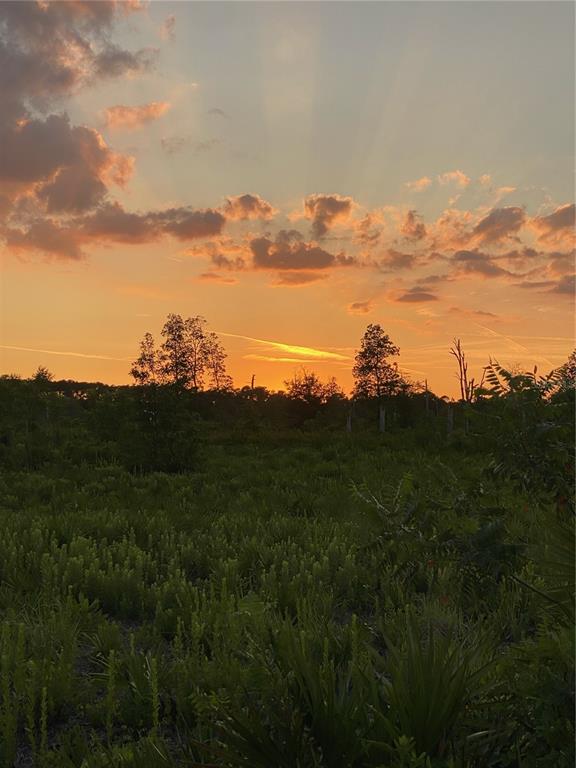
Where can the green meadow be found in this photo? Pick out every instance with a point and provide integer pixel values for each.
(297, 595)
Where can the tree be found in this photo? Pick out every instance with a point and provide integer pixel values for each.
(374, 375)
(567, 372)
(42, 375)
(215, 363)
(147, 368)
(468, 386)
(306, 386)
(184, 358)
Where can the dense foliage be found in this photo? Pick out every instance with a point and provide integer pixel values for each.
(234, 579)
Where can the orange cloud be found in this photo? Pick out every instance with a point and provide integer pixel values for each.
(419, 185)
(360, 307)
(413, 227)
(247, 207)
(296, 279)
(454, 177)
(557, 227)
(132, 118)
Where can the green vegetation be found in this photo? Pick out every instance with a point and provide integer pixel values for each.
(233, 579)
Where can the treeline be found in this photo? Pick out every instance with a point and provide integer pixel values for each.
(183, 396)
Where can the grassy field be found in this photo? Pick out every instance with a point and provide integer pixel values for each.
(300, 600)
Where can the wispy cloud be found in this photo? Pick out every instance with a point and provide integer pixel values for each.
(65, 354)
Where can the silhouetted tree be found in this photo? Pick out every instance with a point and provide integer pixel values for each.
(215, 357)
(187, 354)
(567, 372)
(374, 375)
(42, 375)
(306, 386)
(147, 368)
(468, 386)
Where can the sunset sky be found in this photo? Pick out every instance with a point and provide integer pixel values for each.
(292, 172)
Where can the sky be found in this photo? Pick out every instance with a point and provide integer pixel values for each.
(291, 171)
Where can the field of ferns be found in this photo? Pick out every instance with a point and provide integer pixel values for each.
(301, 597)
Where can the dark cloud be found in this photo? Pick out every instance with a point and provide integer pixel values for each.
(225, 262)
(566, 285)
(48, 50)
(326, 210)
(478, 263)
(68, 167)
(413, 227)
(560, 222)
(216, 112)
(112, 223)
(295, 279)
(290, 252)
(417, 295)
(113, 61)
(500, 224)
(246, 207)
(395, 260)
(215, 277)
(360, 307)
(186, 224)
(46, 237)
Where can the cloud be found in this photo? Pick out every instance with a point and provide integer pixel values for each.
(187, 224)
(557, 226)
(174, 144)
(395, 260)
(566, 285)
(360, 307)
(290, 252)
(117, 62)
(473, 313)
(216, 112)
(454, 177)
(111, 223)
(215, 277)
(168, 28)
(46, 237)
(413, 227)
(50, 49)
(500, 224)
(132, 118)
(478, 263)
(419, 185)
(294, 279)
(327, 210)
(416, 295)
(247, 207)
(235, 264)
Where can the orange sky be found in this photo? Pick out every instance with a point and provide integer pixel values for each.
(292, 172)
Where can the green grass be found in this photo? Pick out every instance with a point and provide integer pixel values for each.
(311, 600)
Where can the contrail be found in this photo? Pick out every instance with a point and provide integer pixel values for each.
(515, 344)
(66, 354)
(294, 349)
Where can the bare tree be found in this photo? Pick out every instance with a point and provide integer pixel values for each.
(468, 386)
